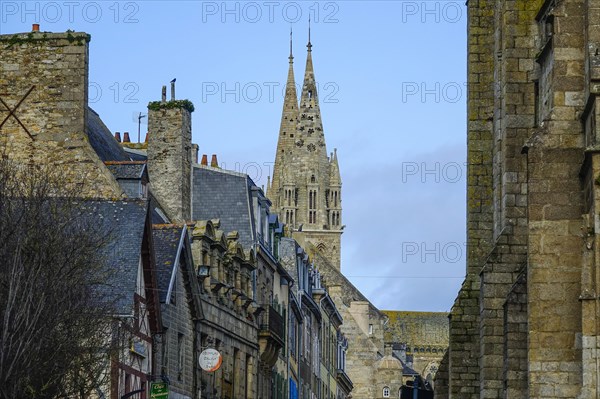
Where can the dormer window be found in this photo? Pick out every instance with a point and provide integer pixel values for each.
(310, 94)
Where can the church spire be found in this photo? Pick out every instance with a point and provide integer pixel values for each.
(310, 126)
(287, 128)
(306, 185)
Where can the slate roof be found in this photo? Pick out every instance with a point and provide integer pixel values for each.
(224, 195)
(127, 170)
(136, 155)
(125, 222)
(166, 243)
(407, 370)
(102, 140)
(158, 214)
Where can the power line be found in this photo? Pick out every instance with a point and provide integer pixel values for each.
(410, 277)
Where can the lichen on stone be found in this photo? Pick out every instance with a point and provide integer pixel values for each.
(158, 105)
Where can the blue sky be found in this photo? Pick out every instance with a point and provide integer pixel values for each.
(391, 78)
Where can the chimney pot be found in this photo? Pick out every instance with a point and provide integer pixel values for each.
(195, 152)
(35, 27)
(204, 160)
(213, 161)
(126, 138)
(118, 136)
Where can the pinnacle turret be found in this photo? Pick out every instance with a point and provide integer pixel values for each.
(334, 169)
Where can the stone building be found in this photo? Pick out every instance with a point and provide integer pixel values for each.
(418, 339)
(181, 311)
(524, 324)
(229, 326)
(317, 346)
(243, 208)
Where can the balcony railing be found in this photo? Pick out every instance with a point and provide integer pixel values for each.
(272, 322)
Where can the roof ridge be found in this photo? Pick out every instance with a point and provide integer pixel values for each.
(225, 171)
(125, 162)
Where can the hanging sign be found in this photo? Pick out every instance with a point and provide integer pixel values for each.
(210, 360)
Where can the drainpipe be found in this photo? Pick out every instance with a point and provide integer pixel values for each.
(289, 312)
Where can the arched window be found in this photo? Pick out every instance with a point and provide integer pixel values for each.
(386, 392)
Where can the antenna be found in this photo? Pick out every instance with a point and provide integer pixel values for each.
(139, 118)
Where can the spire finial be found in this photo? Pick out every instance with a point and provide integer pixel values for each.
(309, 45)
(291, 57)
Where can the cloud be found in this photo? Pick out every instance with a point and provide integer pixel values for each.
(404, 246)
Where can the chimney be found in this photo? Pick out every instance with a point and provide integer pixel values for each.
(118, 137)
(213, 161)
(35, 27)
(173, 90)
(195, 149)
(204, 160)
(170, 158)
(126, 138)
(164, 94)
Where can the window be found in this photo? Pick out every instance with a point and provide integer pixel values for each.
(386, 392)
(312, 206)
(293, 335)
(370, 329)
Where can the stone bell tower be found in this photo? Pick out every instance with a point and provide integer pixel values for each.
(306, 186)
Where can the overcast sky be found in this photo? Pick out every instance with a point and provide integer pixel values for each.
(391, 79)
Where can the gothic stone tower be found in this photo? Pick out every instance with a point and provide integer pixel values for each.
(306, 185)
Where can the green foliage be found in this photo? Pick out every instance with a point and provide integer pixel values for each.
(37, 37)
(158, 105)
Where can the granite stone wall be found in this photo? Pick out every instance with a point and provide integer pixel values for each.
(44, 80)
